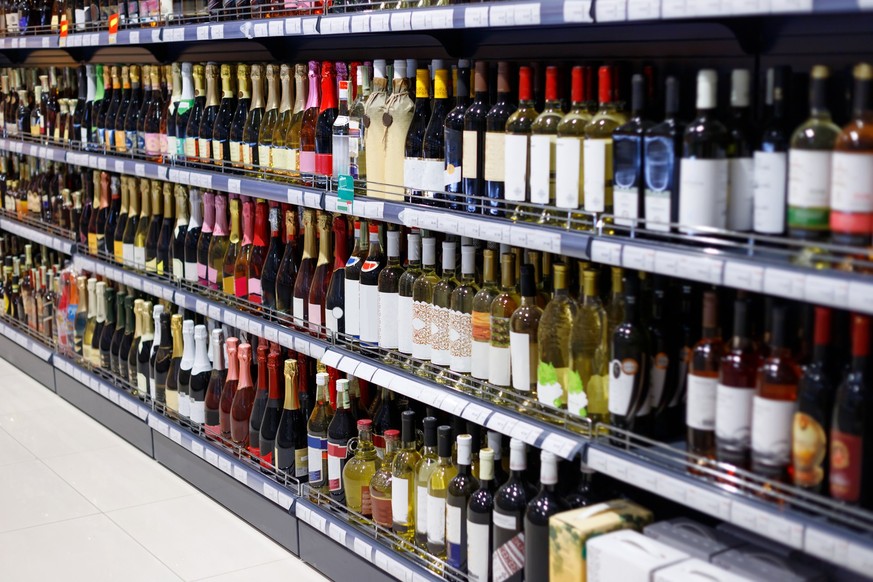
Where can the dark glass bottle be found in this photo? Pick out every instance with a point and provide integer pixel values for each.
(771, 162)
(195, 116)
(433, 149)
(227, 391)
(238, 122)
(495, 125)
(414, 145)
(192, 236)
(217, 379)
(291, 449)
(179, 235)
(369, 289)
(662, 149)
(163, 359)
(272, 411)
(479, 517)
(205, 239)
(473, 168)
(143, 110)
(628, 161)
(258, 253)
(536, 519)
(741, 149)
(510, 505)
(303, 282)
(120, 117)
(223, 119)
(124, 348)
(454, 137)
(286, 276)
(628, 389)
(131, 116)
(154, 229)
(272, 261)
(108, 330)
(334, 300)
(201, 375)
(662, 363)
(184, 368)
(120, 211)
(460, 489)
(210, 113)
(259, 404)
(339, 431)
(172, 384)
(163, 262)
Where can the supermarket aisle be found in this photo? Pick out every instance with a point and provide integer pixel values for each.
(79, 503)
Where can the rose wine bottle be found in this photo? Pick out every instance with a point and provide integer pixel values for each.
(258, 254)
(320, 277)
(218, 243)
(240, 211)
(230, 385)
(703, 374)
(243, 399)
(217, 377)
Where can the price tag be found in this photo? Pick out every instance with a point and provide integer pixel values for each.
(705, 269)
(767, 523)
(330, 358)
(495, 232)
(285, 501)
(230, 318)
(201, 307)
(167, 293)
(197, 448)
(791, 6)
(784, 283)
(261, 29)
(638, 258)
(501, 423)
(215, 312)
(312, 199)
(348, 365)
(825, 545)
(537, 239)
(139, 170)
(271, 334)
(293, 26)
(476, 413)
(740, 275)
(225, 465)
(302, 345)
(399, 570)
(176, 436)
(860, 558)
(233, 186)
(383, 378)
(708, 502)
(365, 371)
(295, 196)
(674, 8)
(374, 210)
(361, 23)
(276, 28)
(401, 20)
(162, 172)
(203, 33)
(337, 533)
(827, 290)
(381, 560)
(452, 404)
(671, 488)
(255, 328)
(318, 522)
(286, 340)
(335, 24)
(211, 457)
(526, 432)
(861, 296)
(667, 263)
(270, 493)
(240, 475)
(380, 22)
(606, 252)
(363, 549)
(216, 31)
(410, 388)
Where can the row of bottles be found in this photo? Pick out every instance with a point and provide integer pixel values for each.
(467, 150)
(30, 284)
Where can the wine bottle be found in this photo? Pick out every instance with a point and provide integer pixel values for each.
(775, 403)
(473, 166)
(543, 155)
(327, 114)
(510, 504)
(851, 217)
(174, 83)
(291, 155)
(335, 299)
(218, 243)
(437, 493)
(243, 398)
(628, 162)
(771, 162)
(352, 287)
(90, 326)
(628, 389)
(321, 276)
(479, 523)
(128, 249)
(403, 479)
(381, 484)
(433, 168)
(589, 348)
(460, 313)
(849, 471)
(811, 428)
(494, 150)
(703, 371)
(340, 430)
(163, 358)
(481, 317)
(458, 494)
(536, 519)
(259, 404)
(205, 239)
(217, 377)
(454, 135)
(252, 124)
(405, 289)
(286, 277)
(164, 259)
(317, 435)
(271, 263)
(703, 186)
(440, 309)
(413, 160)
(143, 110)
(153, 227)
(291, 451)
(228, 391)
(598, 146)
(205, 132)
(135, 346)
(223, 120)
(502, 308)
(124, 349)
(172, 390)
(569, 161)
(126, 140)
(524, 326)
(422, 297)
(388, 279)
(108, 330)
(734, 392)
(308, 122)
(553, 380)
(272, 413)
(741, 147)
(341, 135)
(117, 335)
(191, 145)
(236, 260)
(112, 217)
(194, 372)
(144, 351)
(371, 268)
(121, 220)
(186, 251)
(241, 111)
(662, 144)
(357, 129)
(358, 473)
(271, 117)
(305, 271)
(154, 118)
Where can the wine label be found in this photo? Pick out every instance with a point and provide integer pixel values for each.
(809, 450)
(440, 353)
(337, 453)
(771, 179)
(324, 164)
(421, 509)
(204, 149)
(733, 415)
(172, 145)
(352, 299)
(298, 310)
(478, 551)
(499, 352)
(236, 152)
(279, 158)
(184, 405)
(598, 174)
(381, 507)
(741, 202)
(471, 155)
(254, 288)
(495, 144)
(542, 168)
(307, 162)
(421, 315)
(404, 327)
(432, 176)
(771, 430)
(657, 376)
(623, 375)
(516, 164)
(626, 178)
(301, 463)
(454, 539)
(317, 461)
(197, 411)
(568, 172)
(809, 183)
(400, 500)
(127, 254)
(847, 458)
(314, 317)
(388, 325)
(412, 173)
(700, 411)
(454, 157)
(481, 344)
(153, 144)
(436, 520)
(851, 193)
(522, 353)
(264, 156)
(332, 317)
(460, 341)
(369, 314)
(703, 190)
(507, 562)
(190, 148)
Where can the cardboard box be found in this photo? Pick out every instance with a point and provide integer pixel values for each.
(628, 556)
(695, 570)
(691, 537)
(570, 530)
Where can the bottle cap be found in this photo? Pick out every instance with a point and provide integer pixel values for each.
(740, 81)
(322, 378)
(465, 446)
(707, 89)
(449, 255)
(430, 431)
(407, 424)
(365, 424)
(548, 468)
(444, 448)
(468, 259)
(517, 460)
(486, 464)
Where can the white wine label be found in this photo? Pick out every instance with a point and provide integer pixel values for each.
(480, 354)
(298, 310)
(598, 169)
(139, 259)
(278, 158)
(733, 413)
(301, 463)
(851, 179)
(336, 455)
(495, 165)
(332, 317)
(264, 159)
(190, 147)
(433, 175)
(353, 307)
(400, 499)
(190, 271)
(141, 380)
(568, 172)
(171, 144)
(515, 167)
(499, 365)
(771, 430)
(421, 330)
(700, 413)
(627, 201)
(127, 254)
(204, 149)
(453, 524)
(703, 193)
(505, 521)
(771, 180)
(184, 405)
(317, 452)
(461, 340)
(622, 376)
(658, 209)
(471, 153)
(404, 324)
(478, 551)
(741, 202)
(436, 519)
(542, 168)
(412, 173)
(440, 348)
(520, 351)
(236, 152)
(388, 328)
(178, 268)
(369, 314)
(197, 410)
(421, 509)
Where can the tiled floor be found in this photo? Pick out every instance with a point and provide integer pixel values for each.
(79, 503)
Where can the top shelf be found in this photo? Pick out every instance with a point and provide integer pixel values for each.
(541, 13)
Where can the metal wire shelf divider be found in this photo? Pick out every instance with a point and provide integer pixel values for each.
(40, 225)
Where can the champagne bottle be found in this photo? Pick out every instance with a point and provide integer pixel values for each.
(240, 220)
(272, 418)
(291, 453)
(252, 125)
(191, 144)
(121, 221)
(271, 117)
(144, 351)
(241, 112)
(243, 398)
(266, 260)
(133, 353)
(192, 236)
(335, 300)
(316, 431)
(154, 223)
(118, 335)
(201, 371)
(218, 244)
(352, 311)
(321, 277)
(105, 342)
(228, 391)
(224, 116)
(206, 130)
(128, 254)
(286, 277)
(164, 259)
(279, 158)
(306, 270)
(217, 378)
(327, 114)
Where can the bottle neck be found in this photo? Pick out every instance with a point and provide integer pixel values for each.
(292, 396)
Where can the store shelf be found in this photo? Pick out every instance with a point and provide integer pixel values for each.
(30, 352)
(62, 244)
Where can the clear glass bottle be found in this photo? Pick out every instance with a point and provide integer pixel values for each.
(422, 297)
(524, 328)
(553, 342)
(437, 493)
(502, 308)
(403, 476)
(598, 170)
(359, 471)
(543, 143)
(423, 470)
(381, 485)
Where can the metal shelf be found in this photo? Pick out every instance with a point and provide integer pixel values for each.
(38, 233)
(538, 13)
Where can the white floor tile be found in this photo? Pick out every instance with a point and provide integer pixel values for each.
(288, 569)
(11, 450)
(31, 494)
(57, 430)
(196, 537)
(105, 477)
(21, 393)
(89, 548)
